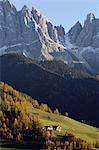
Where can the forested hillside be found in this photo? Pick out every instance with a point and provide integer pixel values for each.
(64, 70)
(15, 121)
(77, 96)
(22, 119)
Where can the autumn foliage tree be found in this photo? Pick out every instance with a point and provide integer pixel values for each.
(15, 120)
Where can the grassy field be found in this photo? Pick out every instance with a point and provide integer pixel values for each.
(80, 130)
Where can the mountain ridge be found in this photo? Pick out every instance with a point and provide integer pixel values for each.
(30, 32)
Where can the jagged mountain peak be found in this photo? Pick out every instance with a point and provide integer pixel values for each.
(40, 19)
(75, 31)
(27, 13)
(36, 12)
(4, 1)
(30, 32)
(27, 30)
(7, 6)
(25, 8)
(90, 17)
(87, 36)
(34, 9)
(78, 23)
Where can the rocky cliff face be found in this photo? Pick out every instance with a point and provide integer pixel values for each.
(17, 30)
(86, 39)
(88, 35)
(29, 32)
(74, 32)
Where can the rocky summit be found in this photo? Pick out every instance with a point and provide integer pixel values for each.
(29, 32)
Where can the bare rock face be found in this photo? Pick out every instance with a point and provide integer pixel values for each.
(27, 31)
(61, 34)
(40, 19)
(86, 40)
(87, 36)
(74, 32)
(52, 32)
(8, 23)
(95, 40)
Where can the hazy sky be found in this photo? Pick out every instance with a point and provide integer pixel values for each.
(65, 12)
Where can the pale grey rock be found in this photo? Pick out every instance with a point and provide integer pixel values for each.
(85, 36)
(29, 32)
(40, 19)
(92, 57)
(18, 30)
(50, 30)
(88, 33)
(8, 23)
(95, 40)
(61, 34)
(74, 32)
